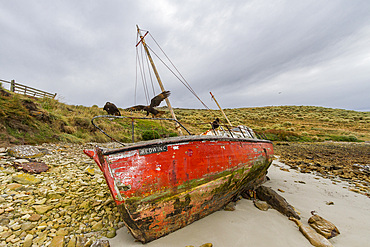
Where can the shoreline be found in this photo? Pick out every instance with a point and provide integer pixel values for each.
(248, 225)
(72, 201)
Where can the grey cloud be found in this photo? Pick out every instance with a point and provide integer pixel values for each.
(246, 52)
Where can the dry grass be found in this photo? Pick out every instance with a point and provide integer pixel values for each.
(69, 123)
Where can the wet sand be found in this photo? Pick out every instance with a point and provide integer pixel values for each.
(248, 226)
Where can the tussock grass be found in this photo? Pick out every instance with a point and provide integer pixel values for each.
(54, 121)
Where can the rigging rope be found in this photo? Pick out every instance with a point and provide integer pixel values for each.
(150, 74)
(184, 82)
(178, 75)
(142, 72)
(136, 79)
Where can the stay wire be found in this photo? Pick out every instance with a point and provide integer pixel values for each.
(136, 77)
(185, 83)
(172, 63)
(150, 74)
(143, 78)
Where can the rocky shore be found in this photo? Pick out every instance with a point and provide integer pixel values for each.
(63, 200)
(67, 205)
(338, 161)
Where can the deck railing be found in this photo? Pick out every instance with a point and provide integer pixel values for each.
(223, 130)
(132, 119)
(29, 91)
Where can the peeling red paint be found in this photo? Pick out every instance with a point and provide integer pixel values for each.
(162, 191)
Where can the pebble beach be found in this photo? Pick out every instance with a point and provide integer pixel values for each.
(70, 203)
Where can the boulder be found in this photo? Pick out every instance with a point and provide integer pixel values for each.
(32, 167)
(25, 151)
(315, 239)
(25, 179)
(323, 226)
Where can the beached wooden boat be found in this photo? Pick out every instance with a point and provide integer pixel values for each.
(165, 184)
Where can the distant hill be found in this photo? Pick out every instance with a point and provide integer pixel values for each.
(25, 120)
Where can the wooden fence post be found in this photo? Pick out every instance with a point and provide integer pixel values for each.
(12, 86)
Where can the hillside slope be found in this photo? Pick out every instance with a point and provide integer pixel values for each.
(25, 120)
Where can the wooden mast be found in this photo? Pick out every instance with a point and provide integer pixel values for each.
(158, 78)
(213, 97)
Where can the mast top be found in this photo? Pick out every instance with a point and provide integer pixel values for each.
(142, 40)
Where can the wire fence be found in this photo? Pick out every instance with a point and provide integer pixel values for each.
(29, 91)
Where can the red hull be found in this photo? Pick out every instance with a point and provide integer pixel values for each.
(161, 186)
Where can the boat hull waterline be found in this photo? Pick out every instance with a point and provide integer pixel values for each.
(163, 185)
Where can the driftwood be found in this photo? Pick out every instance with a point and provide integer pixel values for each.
(276, 201)
(323, 226)
(312, 236)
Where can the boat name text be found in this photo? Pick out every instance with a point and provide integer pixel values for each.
(152, 150)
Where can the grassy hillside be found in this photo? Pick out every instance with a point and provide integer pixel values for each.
(25, 120)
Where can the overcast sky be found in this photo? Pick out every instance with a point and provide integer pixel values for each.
(248, 53)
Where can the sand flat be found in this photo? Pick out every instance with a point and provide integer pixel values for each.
(248, 226)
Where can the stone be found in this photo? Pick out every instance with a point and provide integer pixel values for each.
(88, 243)
(230, 206)
(15, 227)
(98, 226)
(26, 179)
(312, 236)
(32, 167)
(207, 245)
(21, 161)
(40, 202)
(58, 241)
(111, 233)
(62, 232)
(9, 209)
(85, 205)
(34, 217)
(26, 226)
(9, 239)
(90, 171)
(14, 186)
(81, 241)
(261, 205)
(25, 151)
(100, 243)
(5, 235)
(72, 241)
(41, 209)
(40, 239)
(28, 240)
(323, 226)
(4, 221)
